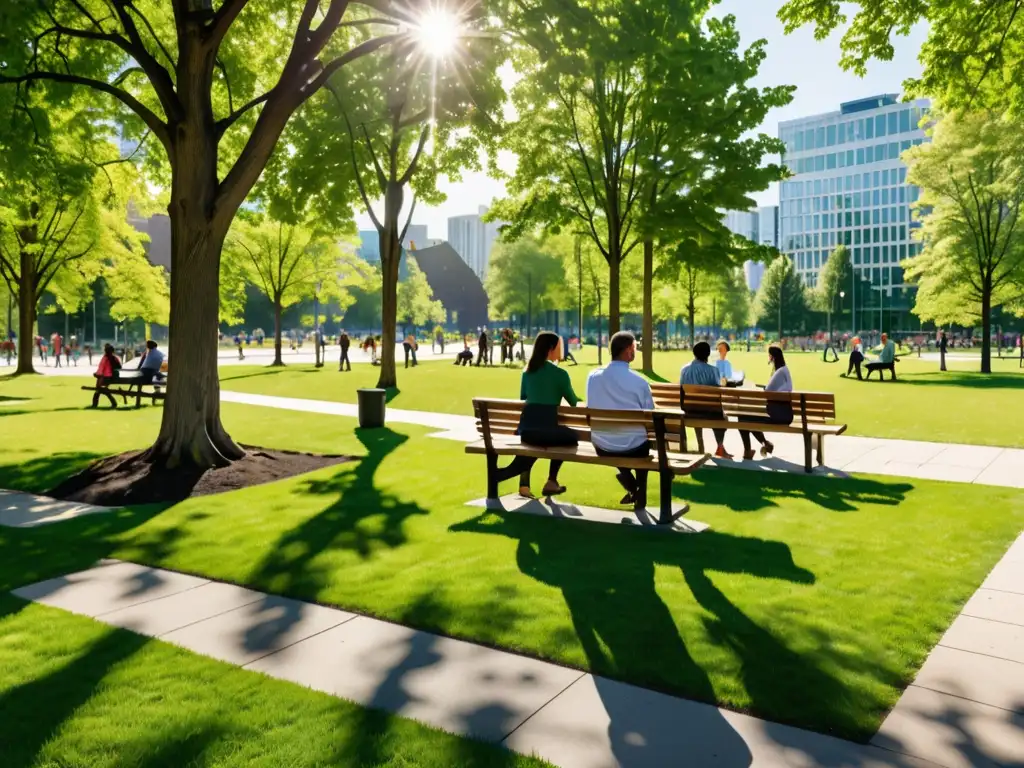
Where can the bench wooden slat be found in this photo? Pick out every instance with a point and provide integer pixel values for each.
(584, 453)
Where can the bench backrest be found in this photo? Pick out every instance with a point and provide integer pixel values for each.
(501, 417)
(808, 407)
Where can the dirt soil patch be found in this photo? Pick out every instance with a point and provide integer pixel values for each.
(129, 479)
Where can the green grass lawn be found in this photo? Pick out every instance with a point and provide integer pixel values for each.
(958, 406)
(76, 692)
(812, 601)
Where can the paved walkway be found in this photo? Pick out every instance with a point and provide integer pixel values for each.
(966, 707)
(980, 464)
(25, 510)
(573, 719)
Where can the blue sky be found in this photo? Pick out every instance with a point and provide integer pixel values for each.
(796, 59)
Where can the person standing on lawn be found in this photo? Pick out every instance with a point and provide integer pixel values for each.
(344, 342)
(57, 343)
(942, 351)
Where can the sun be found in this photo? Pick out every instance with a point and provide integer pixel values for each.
(438, 32)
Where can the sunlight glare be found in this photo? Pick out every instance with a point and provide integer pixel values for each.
(438, 32)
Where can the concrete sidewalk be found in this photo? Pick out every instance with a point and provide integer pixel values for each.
(26, 510)
(571, 718)
(985, 465)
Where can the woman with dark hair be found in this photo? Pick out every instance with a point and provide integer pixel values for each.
(778, 412)
(544, 385)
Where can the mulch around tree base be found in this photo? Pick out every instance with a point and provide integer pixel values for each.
(129, 479)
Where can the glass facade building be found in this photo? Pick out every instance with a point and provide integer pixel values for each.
(849, 187)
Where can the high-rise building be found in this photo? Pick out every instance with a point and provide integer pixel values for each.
(849, 187)
(755, 225)
(369, 246)
(473, 239)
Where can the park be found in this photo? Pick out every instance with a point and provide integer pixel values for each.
(322, 544)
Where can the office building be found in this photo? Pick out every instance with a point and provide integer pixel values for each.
(369, 246)
(760, 225)
(849, 187)
(473, 239)
(415, 237)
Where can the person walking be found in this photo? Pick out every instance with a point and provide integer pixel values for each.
(56, 341)
(482, 347)
(344, 342)
(856, 357)
(409, 346)
(942, 351)
(779, 411)
(568, 351)
(106, 373)
(543, 386)
(41, 346)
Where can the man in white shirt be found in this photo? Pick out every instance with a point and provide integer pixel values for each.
(616, 387)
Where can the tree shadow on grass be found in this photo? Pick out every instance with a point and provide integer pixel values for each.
(360, 517)
(627, 632)
(226, 377)
(32, 713)
(38, 474)
(746, 491)
(965, 379)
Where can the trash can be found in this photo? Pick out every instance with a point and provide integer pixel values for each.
(372, 403)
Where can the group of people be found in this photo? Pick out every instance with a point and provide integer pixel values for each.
(616, 387)
(150, 371)
(58, 348)
(886, 357)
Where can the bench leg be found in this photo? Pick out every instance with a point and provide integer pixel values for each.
(665, 502)
(700, 439)
(492, 475)
(807, 451)
(821, 450)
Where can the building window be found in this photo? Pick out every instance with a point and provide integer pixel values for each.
(892, 232)
(856, 218)
(875, 177)
(885, 177)
(831, 134)
(879, 126)
(893, 127)
(885, 196)
(905, 121)
(876, 197)
(875, 238)
(819, 163)
(809, 138)
(885, 214)
(903, 175)
(819, 138)
(875, 256)
(842, 159)
(869, 155)
(905, 145)
(894, 150)
(856, 255)
(860, 157)
(903, 252)
(856, 236)
(869, 129)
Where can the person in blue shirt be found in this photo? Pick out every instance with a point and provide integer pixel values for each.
(701, 373)
(722, 364)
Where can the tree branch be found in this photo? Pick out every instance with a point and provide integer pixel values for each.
(408, 220)
(154, 123)
(407, 176)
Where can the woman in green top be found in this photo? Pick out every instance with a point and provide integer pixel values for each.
(544, 386)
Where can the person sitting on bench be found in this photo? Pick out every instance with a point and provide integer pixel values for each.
(701, 373)
(544, 386)
(617, 388)
(105, 374)
(151, 364)
(778, 412)
(886, 359)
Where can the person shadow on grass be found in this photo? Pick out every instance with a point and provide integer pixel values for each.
(607, 577)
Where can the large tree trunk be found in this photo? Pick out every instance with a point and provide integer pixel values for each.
(390, 257)
(614, 270)
(191, 432)
(26, 313)
(277, 331)
(986, 326)
(648, 327)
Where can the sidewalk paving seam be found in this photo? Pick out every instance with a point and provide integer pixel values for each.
(995, 621)
(978, 653)
(996, 589)
(155, 599)
(307, 637)
(213, 616)
(538, 710)
(967, 698)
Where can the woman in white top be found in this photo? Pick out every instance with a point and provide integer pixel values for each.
(778, 412)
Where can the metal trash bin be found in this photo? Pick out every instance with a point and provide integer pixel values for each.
(372, 404)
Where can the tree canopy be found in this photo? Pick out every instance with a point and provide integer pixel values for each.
(781, 301)
(972, 179)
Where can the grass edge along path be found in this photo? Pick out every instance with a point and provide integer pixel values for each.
(76, 691)
(812, 601)
(958, 406)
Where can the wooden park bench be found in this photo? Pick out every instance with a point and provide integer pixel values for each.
(124, 384)
(497, 421)
(814, 413)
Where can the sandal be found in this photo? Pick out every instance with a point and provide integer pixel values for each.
(526, 493)
(767, 450)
